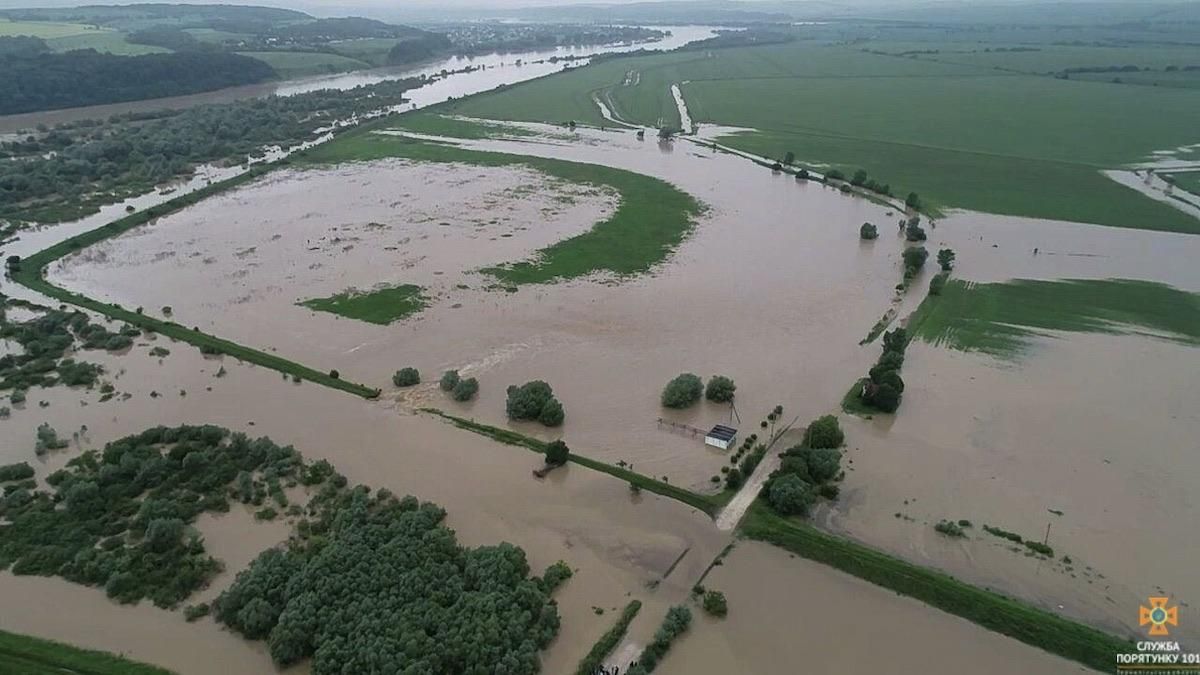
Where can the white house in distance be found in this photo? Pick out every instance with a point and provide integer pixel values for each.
(721, 436)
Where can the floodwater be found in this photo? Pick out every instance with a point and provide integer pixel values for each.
(491, 70)
(791, 615)
(773, 288)
(619, 544)
(1091, 436)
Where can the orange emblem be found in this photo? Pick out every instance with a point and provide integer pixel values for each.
(1158, 616)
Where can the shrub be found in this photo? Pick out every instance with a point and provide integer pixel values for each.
(868, 231)
(1039, 547)
(714, 603)
(333, 373)
(555, 575)
(682, 391)
(18, 396)
(950, 529)
(789, 495)
(193, 612)
(465, 390)
(733, 479)
(406, 377)
(719, 389)
(824, 432)
(449, 381)
(557, 453)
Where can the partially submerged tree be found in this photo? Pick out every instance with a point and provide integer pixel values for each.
(534, 401)
(945, 258)
(868, 231)
(719, 389)
(465, 389)
(557, 453)
(406, 377)
(824, 432)
(449, 380)
(682, 391)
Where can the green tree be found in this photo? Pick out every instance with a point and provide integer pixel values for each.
(557, 453)
(884, 396)
(945, 258)
(824, 464)
(465, 389)
(859, 177)
(526, 401)
(789, 158)
(406, 377)
(913, 201)
(938, 283)
(714, 603)
(914, 260)
(719, 389)
(789, 495)
(824, 432)
(868, 231)
(913, 230)
(682, 391)
(450, 379)
(552, 414)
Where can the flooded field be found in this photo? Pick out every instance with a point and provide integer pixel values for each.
(1099, 454)
(773, 288)
(617, 543)
(789, 615)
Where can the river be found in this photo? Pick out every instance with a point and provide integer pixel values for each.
(493, 70)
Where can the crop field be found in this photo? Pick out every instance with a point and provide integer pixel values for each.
(959, 134)
(299, 64)
(652, 219)
(1001, 318)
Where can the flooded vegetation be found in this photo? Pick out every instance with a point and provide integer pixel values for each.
(611, 356)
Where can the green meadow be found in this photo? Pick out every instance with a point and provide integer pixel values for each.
(33, 656)
(380, 305)
(1187, 180)
(962, 132)
(1003, 319)
(440, 125)
(299, 64)
(653, 217)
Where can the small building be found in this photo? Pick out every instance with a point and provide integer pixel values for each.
(721, 437)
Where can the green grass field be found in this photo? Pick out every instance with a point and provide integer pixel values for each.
(1002, 319)
(380, 306)
(962, 135)
(371, 50)
(107, 41)
(1187, 180)
(440, 125)
(652, 218)
(45, 29)
(33, 656)
(301, 64)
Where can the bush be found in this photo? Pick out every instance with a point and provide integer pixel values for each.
(950, 529)
(790, 495)
(714, 603)
(557, 453)
(682, 391)
(406, 377)
(677, 621)
(868, 231)
(465, 390)
(719, 389)
(824, 432)
(193, 612)
(449, 381)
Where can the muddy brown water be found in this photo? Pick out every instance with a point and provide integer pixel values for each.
(773, 288)
(790, 615)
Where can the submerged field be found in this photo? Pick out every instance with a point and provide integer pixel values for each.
(960, 133)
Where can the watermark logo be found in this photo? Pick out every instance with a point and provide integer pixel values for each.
(1158, 616)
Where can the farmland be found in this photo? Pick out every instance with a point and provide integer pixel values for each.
(961, 134)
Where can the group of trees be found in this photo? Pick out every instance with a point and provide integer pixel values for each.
(808, 470)
(461, 389)
(685, 390)
(46, 340)
(676, 623)
(71, 170)
(47, 81)
(379, 584)
(913, 230)
(883, 387)
(121, 518)
(914, 260)
(534, 401)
